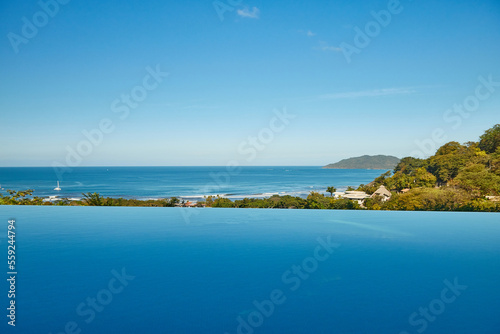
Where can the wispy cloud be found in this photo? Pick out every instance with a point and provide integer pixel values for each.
(324, 46)
(245, 12)
(370, 93)
(307, 33)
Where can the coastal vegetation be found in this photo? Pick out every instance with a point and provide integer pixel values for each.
(458, 177)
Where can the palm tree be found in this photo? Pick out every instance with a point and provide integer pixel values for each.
(331, 190)
(93, 199)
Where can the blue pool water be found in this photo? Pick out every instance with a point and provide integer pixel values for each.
(174, 270)
(187, 182)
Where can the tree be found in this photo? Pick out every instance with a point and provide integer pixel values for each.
(448, 160)
(429, 199)
(288, 202)
(478, 180)
(494, 164)
(450, 148)
(209, 200)
(374, 203)
(424, 179)
(368, 188)
(380, 180)
(317, 201)
(20, 198)
(222, 202)
(490, 140)
(171, 202)
(331, 190)
(400, 181)
(343, 204)
(93, 199)
(409, 165)
(418, 178)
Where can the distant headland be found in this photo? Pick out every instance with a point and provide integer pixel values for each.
(366, 162)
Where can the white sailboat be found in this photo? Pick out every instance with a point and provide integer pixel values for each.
(57, 188)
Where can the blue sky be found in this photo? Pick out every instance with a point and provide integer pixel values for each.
(232, 65)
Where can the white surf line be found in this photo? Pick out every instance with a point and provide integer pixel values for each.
(370, 227)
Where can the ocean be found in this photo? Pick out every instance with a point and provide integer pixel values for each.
(232, 271)
(191, 183)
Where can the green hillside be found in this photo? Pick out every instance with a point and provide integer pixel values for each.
(366, 162)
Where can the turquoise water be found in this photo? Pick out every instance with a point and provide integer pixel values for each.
(252, 271)
(187, 182)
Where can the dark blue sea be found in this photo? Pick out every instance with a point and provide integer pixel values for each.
(174, 270)
(186, 182)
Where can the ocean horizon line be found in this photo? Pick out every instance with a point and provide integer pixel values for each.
(107, 166)
(194, 166)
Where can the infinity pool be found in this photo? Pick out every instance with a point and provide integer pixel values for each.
(174, 270)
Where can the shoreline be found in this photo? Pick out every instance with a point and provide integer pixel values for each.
(314, 201)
